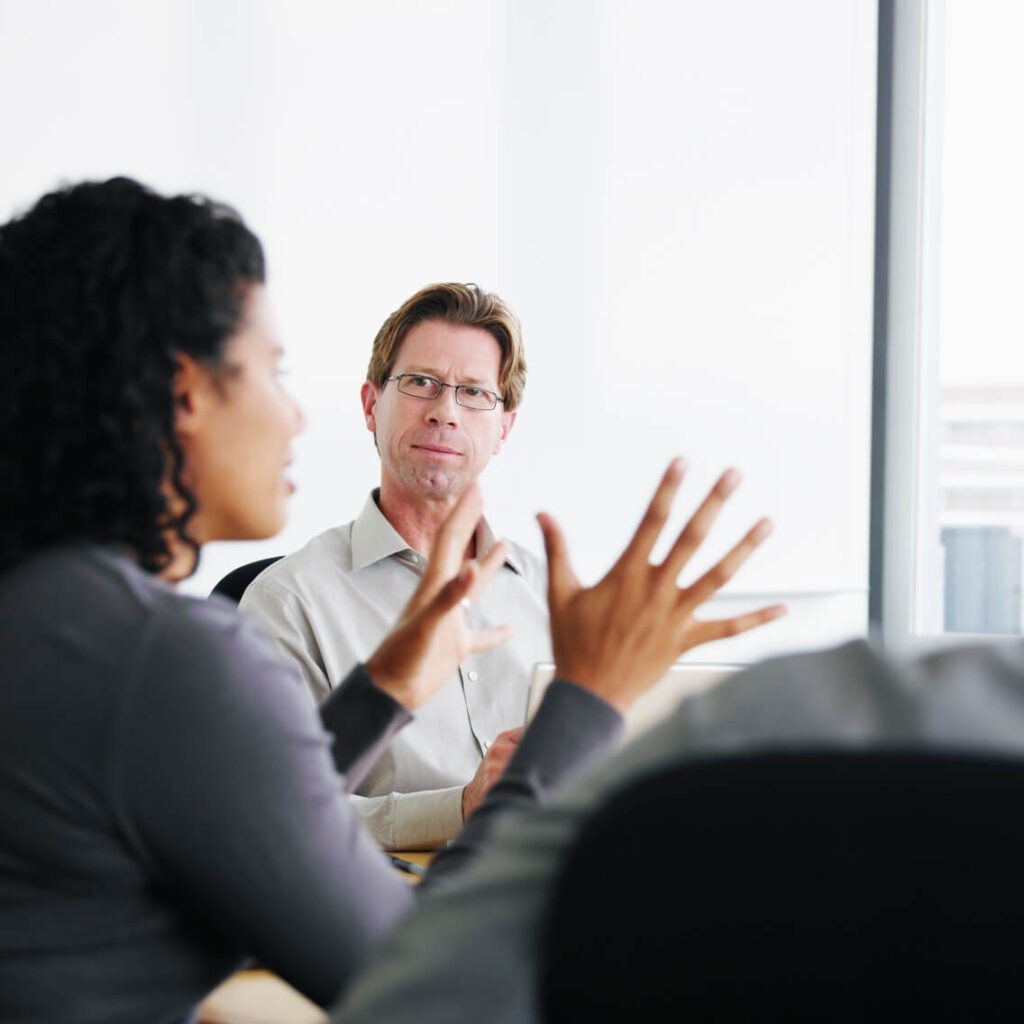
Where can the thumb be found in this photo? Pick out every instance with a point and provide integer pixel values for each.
(561, 579)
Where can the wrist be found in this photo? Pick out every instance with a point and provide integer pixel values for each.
(602, 685)
(389, 682)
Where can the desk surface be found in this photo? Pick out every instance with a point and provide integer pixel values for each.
(259, 997)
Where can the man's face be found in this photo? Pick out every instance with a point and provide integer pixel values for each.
(433, 449)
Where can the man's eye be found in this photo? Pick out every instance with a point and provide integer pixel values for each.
(471, 392)
(421, 382)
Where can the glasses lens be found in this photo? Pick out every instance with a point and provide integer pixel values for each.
(475, 398)
(419, 387)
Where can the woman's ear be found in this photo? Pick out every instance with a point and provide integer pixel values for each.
(191, 381)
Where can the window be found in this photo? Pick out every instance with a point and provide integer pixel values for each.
(952, 199)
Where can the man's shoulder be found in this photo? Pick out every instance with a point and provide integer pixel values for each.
(327, 552)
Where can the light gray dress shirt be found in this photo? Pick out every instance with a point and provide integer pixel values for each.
(330, 604)
(468, 952)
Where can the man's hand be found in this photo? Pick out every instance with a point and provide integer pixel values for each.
(431, 637)
(619, 637)
(498, 755)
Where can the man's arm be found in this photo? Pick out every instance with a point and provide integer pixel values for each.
(423, 820)
(428, 819)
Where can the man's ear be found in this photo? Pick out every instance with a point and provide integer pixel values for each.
(368, 394)
(191, 384)
(507, 419)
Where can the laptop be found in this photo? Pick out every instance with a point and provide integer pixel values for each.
(681, 680)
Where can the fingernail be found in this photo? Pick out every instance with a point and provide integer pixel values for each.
(731, 477)
(763, 529)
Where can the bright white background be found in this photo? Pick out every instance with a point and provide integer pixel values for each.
(675, 196)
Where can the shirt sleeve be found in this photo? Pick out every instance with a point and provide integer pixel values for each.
(226, 787)
(412, 821)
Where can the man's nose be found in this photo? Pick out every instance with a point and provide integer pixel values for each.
(444, 408)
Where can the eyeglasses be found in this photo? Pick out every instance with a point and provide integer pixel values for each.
(469, 396)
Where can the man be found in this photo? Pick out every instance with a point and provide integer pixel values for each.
(445, 379)
(473, 947)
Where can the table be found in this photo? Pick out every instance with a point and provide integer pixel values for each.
(260, 997)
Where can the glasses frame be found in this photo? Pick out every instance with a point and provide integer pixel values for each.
(441, 385)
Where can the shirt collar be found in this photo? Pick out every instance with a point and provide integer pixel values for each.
(374, 539)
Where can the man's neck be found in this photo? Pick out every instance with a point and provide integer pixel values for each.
(417, 521)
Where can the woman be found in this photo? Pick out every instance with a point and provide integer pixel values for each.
(168, 796)
(170, 802)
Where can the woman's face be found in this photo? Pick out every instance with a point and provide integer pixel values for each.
(235, 427)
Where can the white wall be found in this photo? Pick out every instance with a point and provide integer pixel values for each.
(675, 196)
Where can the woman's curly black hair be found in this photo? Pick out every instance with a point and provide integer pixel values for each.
(102, 285)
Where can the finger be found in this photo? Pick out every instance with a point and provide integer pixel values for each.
(452, 593)
(449, 549)
(655, 517)
(562, 580)
(722, 571)
(485, 639)
(719, 629)
(506, 742)
(487, 569)
(699, 525)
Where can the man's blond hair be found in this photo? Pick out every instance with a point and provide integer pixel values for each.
(465, 304)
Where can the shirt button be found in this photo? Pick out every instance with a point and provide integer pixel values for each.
(472, 675)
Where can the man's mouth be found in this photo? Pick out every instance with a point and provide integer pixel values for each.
(436, 449)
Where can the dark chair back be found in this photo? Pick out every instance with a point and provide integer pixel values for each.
(233, 585)
(819, 885)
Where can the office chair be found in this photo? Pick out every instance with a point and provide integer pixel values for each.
(822, 885)
(233, 585)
